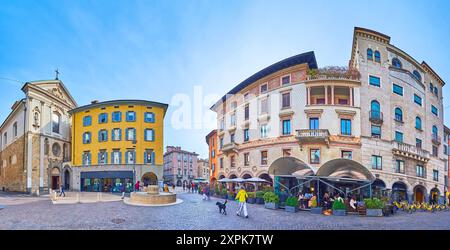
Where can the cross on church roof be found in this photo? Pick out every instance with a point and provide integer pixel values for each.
(57, 74)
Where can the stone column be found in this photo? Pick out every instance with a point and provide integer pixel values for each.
(41, 164)
(351, 96)
(308, 95)
(326, 94)
(332, 94)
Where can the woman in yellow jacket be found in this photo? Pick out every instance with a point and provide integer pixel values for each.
(242, 198)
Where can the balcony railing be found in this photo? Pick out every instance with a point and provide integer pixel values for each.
(313, 135)
(230, 147)
(410, 151)
(376, 116)
(332, 77)
(436, 139)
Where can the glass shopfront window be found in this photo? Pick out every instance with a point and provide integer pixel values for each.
(115, 181)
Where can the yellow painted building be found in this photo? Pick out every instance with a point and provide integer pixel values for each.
(115, 143)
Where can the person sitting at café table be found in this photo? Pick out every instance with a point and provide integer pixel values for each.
(353, 203)
(338, 197)
(313, 201)
(301, 200)
(326, 201)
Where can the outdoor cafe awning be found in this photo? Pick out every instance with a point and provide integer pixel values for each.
(289, 165)
(345, 169)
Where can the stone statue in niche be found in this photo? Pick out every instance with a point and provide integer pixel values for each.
(36, 118)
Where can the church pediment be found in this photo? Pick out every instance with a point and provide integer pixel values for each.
(54, 89)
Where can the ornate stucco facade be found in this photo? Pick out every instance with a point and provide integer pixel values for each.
(36, 138)
(383, 113)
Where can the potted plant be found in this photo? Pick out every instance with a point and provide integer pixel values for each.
(224, 193)
(315, 209)
(291, 204)
(339, 208)
(259, 197)
(251, 197)
(271, 200)
(374, 207)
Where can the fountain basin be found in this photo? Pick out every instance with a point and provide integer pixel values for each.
(145, 198)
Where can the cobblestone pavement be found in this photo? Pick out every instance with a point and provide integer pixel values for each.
(25, 212)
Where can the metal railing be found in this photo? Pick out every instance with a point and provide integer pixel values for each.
(436, 139)
(376, 116)
(331, 77)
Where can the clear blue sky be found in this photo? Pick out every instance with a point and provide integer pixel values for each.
(155, 49)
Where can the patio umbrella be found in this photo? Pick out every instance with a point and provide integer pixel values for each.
(255, 179)
(224, 180)
(237, 180)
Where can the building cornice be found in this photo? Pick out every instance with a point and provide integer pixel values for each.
(430, 71)
(120, 102)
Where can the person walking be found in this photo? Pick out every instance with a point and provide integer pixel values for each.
(208, 190)
(242, 198)
(184, 187)
(61, 191)
(137, 186)
(173, 187)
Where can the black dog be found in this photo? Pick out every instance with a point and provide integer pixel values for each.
(222, 207)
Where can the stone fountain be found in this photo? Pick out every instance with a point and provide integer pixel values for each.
(151, 196)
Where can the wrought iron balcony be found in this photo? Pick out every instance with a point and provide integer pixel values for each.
(410, 151)
(313, 135)
(436, 139)
(376, 116)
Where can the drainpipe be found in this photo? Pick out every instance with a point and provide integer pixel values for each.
(25, 142)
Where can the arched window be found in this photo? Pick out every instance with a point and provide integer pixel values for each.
(398, 114)
(15, 129)
(377, 56)
(435, 131)
(431, 87)
(418, 123)
(396, 63)
(436, 91)
(56, 121)
(417, 75)
(369, 54)
(375, 109)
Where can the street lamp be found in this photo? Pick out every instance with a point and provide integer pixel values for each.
(134, 161)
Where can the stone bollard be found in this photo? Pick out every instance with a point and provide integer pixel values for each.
(78, 198)
(98, 197)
